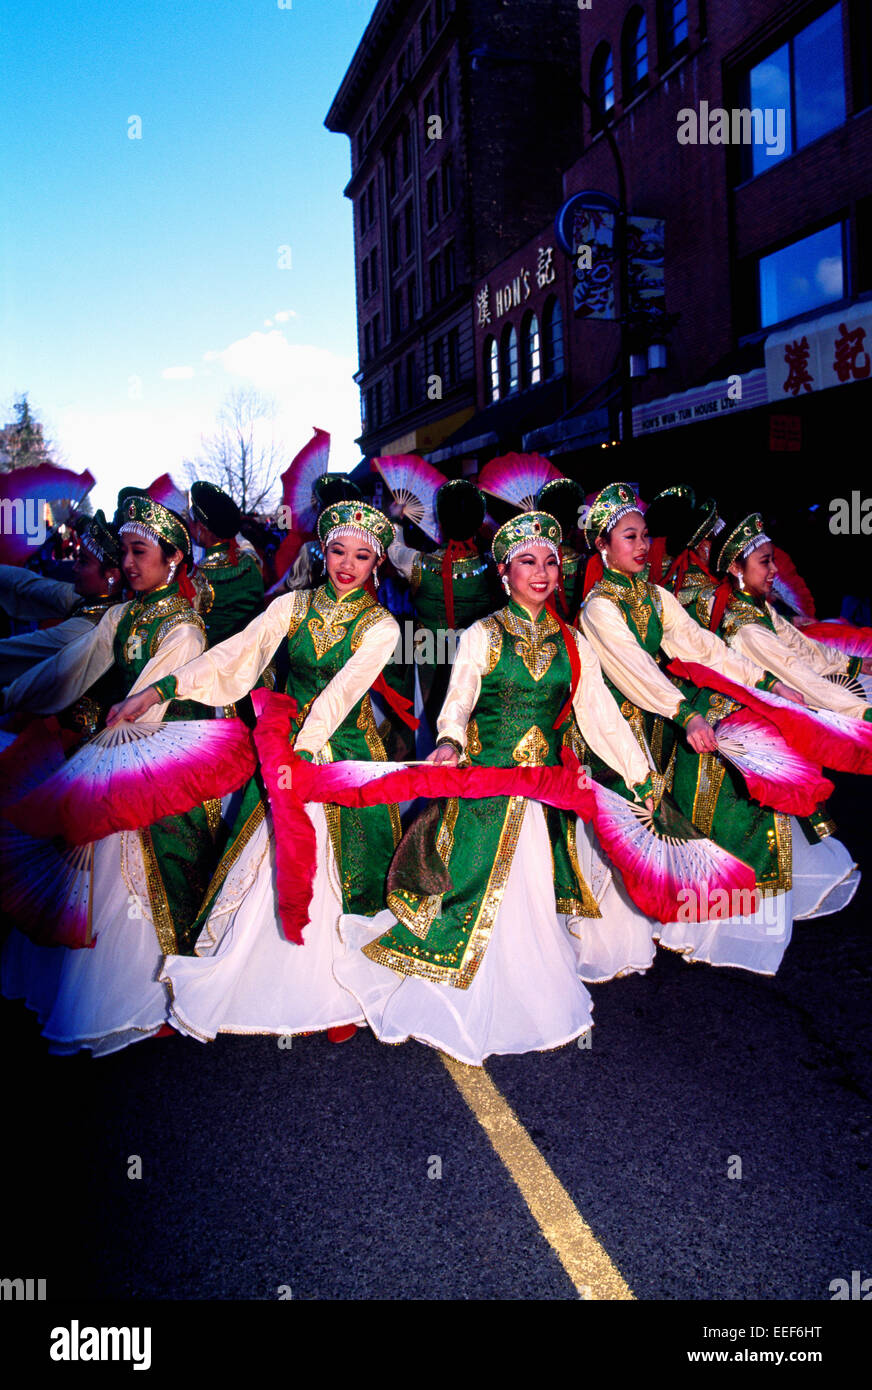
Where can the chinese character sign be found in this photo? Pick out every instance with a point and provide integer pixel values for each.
(832, 350)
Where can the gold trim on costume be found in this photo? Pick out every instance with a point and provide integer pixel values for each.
(532, 748)
(587, 905)
(494, 635)
(531, 640)
(709, 777)
(161, 915)
(377, 751)
(479, 936)
(228, 860)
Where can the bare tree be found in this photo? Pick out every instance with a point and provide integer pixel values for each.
(243, 456)
(22, 443)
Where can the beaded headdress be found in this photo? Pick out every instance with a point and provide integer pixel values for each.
(100, 539)
(742, 541)
(358, 519)
(609, 506)
(710, 524)
(154, 522)
(530, 528)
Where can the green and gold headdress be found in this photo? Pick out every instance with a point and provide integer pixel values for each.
(609, 506)
(709, 523)
(99, 539)
(742, 541)
(358, 519)
(154, 522)
(530, 528)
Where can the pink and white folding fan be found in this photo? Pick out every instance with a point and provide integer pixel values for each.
(413, 484)
(299, 478)
(517, 478)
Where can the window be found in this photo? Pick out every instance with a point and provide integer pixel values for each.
(674, 30)
(432, 200)
(635, 54)
(492, 368)
(438, 348)
(445, 96)
(442, 12)
(370, 202)
(368, 126)
(360, 144)
(398, 302)
(409, 226)
(509, 359)
(376, 334)
(553, 334)
(450, 268)
(447, 185)
(532, 353)
(860, 47)
(426, 32)
(803, 276)
(398, 387)
(452, 356)
(364, 278)
(367, 342)
(379, 106)
(799, 88)
(602, 82)
(391, 162)
(413, 298)
(435, 280)
(401, 68)
(373, 270)
(361, 213)
(377, 404)
(389, 87)
(406, 148)
(411, 380)
(395, 243)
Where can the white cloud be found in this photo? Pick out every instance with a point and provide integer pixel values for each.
(177, 373)
(311, 386)
(828, 274)
(283, 315)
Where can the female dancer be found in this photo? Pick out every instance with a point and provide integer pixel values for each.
(488, 966)
(107, 997)
(630, 623)
(247, 978)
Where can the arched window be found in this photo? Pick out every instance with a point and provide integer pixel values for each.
(531, 351)
(635, 54)
(509, 359)
(674, 30)
(492, 368)
(602, 83)
(554, 353)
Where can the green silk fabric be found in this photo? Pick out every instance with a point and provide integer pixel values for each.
(237, 592)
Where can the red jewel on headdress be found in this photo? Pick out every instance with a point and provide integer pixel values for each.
(358, 516)
(537, 527)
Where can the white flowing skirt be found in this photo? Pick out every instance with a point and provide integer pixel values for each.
(825, 879)
(525, 996)
(246, 977)
(108, 996)
(620, 941)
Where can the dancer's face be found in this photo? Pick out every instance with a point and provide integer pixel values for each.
(757, 575)
(144, 564)
(349, 563)
(626, 549)
(88, 576)
(532, 576)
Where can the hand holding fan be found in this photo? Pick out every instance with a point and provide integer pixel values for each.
(776, 774)
(413, 484)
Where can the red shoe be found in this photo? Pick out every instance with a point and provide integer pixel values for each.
(165, 1031)
(338, 1035)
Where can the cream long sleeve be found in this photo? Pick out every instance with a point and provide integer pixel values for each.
(637, 674)
(789, 664)
(24, 650)
(54, 684)
(225, 673)
(602, 725)
(823, 659)
(28, 597)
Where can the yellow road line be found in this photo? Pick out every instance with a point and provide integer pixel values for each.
(559, 1220)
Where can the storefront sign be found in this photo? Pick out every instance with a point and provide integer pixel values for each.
(828, 351)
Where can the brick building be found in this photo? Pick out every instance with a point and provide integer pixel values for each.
(445, 125)
(768, 255)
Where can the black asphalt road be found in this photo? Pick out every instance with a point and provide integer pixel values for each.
(306, 1169)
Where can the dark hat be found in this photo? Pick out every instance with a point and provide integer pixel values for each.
(335, 487)
(674, 515)
(215, 510)
(99, 538)
(562, 498)
(460, 509)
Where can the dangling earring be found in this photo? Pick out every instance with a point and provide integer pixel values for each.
(506, 585)
(172, 574)
(375, 578)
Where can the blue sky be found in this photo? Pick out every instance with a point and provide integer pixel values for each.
(125, 260)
